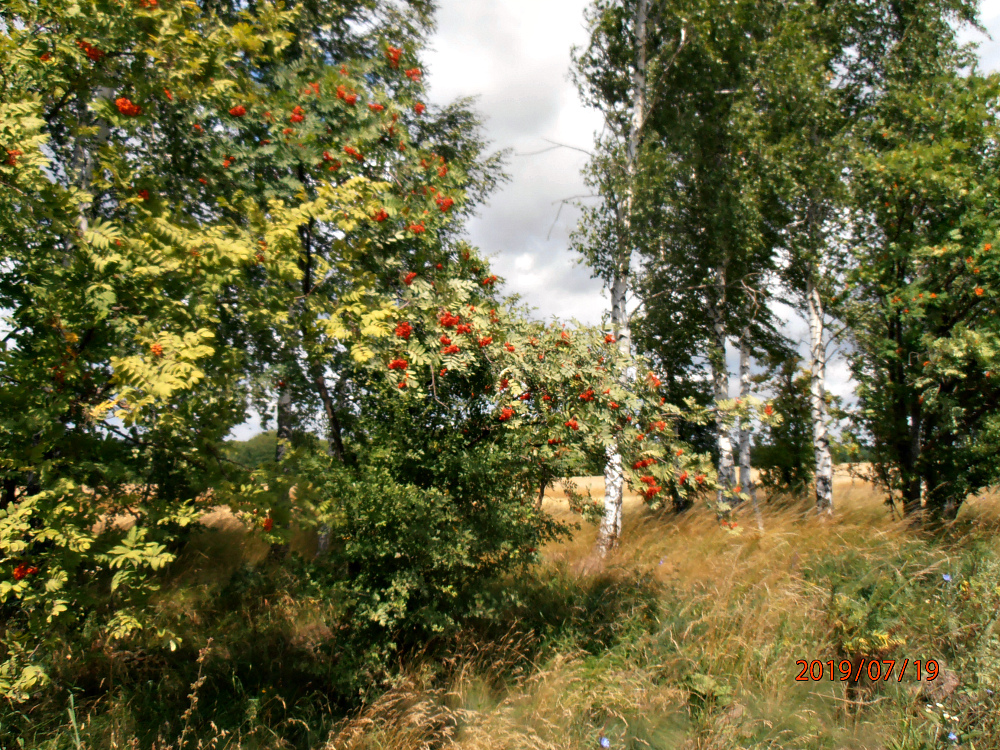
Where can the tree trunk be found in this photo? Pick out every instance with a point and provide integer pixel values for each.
(914, 503)
(285, 421)
(614, 482)
(747, 486)
(817, 397)
(720, 379)
(279, 550)
(85, 159)
(9, 492)
(335, 443)
(614, 478)
(334, 448)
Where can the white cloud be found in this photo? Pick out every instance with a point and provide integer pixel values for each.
(515, 57)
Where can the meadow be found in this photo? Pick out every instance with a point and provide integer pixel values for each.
(687, 636)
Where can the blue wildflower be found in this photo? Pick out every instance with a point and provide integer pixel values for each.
(946, 577)
(605, 742)
(952, 736)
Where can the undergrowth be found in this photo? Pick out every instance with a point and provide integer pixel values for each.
(687, 637)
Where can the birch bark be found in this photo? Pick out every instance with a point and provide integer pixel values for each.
(817, 397)
(720, 380)
(747, 486)
(614, 478)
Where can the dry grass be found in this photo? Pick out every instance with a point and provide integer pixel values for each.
(685, 637)
(737, 610)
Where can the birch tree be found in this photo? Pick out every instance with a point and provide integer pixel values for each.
(612, 25)
(823, 82)
(714, 239)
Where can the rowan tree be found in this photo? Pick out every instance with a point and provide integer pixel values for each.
(190, 215)
(920, 298)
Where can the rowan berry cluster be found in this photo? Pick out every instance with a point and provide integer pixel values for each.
(127, 107)
(92, 52)
(348, 96)
(23, 570)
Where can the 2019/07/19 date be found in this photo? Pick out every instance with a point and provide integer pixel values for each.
(873, 669)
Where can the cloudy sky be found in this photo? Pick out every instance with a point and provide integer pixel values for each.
(514, 55)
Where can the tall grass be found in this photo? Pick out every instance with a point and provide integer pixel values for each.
(685, 637)
(707, 626)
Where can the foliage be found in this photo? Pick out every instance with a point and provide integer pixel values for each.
(920, 299)
(103, 386)
(205, 212)
(783, 451)
(155, 254)
(254, 451)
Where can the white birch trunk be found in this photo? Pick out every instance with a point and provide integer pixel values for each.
(720, 378)
(817, 397)
(727, 468)
(614, 478)
(747, 486)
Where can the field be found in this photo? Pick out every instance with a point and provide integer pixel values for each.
(686, 637)
(692, 640)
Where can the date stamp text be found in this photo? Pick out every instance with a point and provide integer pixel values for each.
(873, 669)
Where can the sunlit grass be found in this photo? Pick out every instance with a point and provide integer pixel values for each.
(686, 637)
(736, 610)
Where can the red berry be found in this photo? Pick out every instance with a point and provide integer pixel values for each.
(127, 107)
